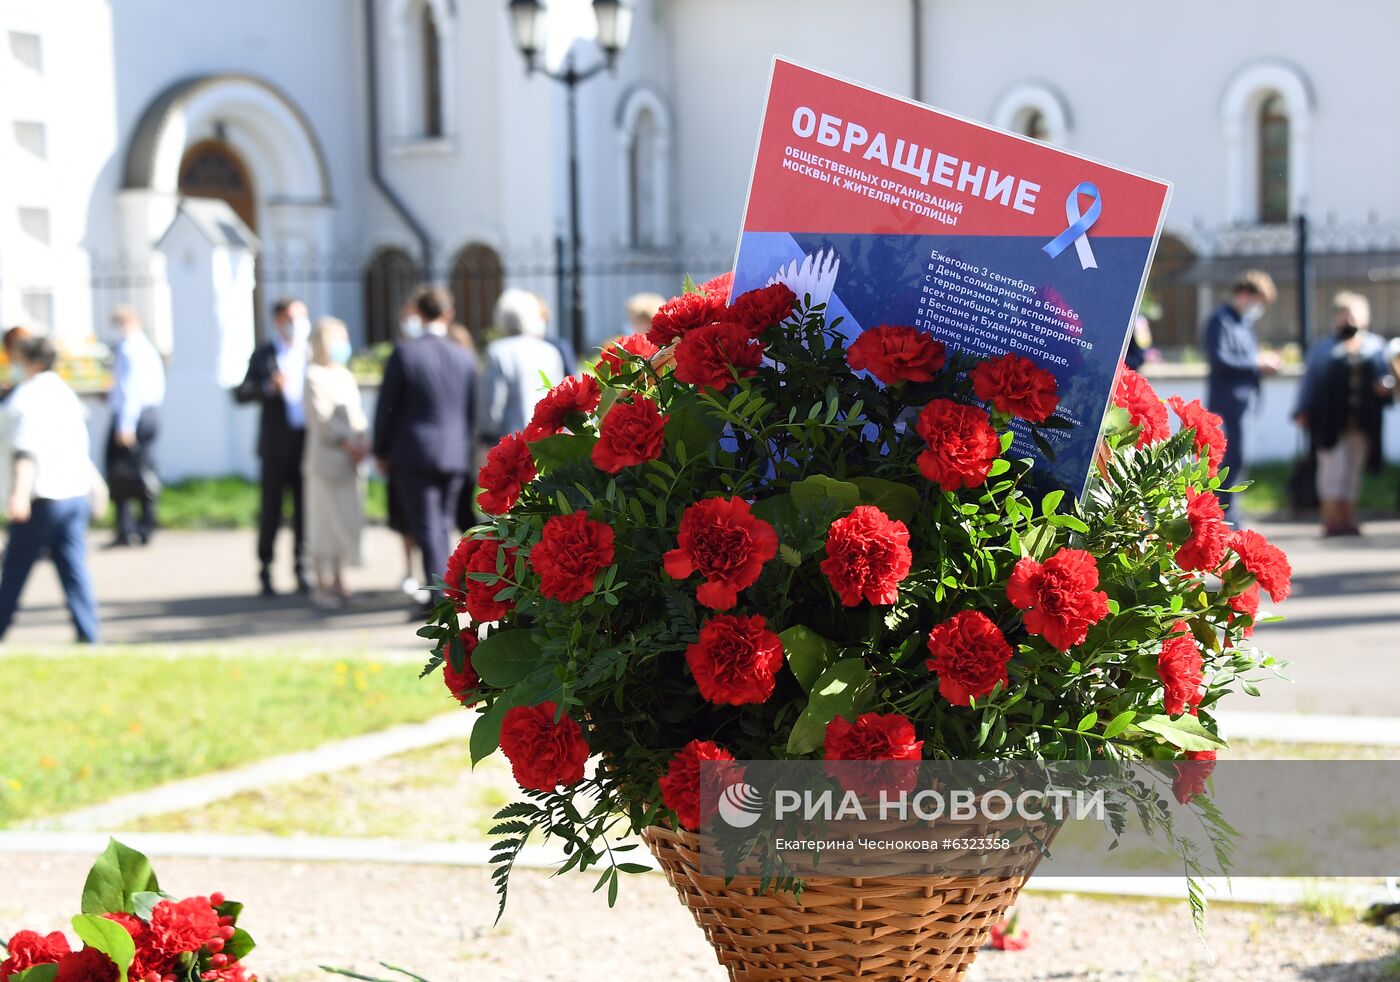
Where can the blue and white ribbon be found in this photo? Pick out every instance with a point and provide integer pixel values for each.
(1079, 224)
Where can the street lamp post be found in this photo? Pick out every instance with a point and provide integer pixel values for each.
(614, 19)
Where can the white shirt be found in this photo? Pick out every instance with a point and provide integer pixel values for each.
(45, 422)
(138, 381)
(291, 362)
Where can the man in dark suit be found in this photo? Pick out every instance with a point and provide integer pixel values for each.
(423, 427)
(1235, 366)
(276, 376)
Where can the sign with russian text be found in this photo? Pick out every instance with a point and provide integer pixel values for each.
(890, 212)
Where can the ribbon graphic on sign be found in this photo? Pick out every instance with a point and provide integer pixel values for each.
(1079, 224)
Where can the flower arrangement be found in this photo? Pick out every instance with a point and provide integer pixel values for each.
(132, 932)
(742, 537)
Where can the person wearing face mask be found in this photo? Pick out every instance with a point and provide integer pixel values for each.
(15, 373)
(1236, 365)
(138, 389)
(1341, 401)
(336, 443)
(275, 380)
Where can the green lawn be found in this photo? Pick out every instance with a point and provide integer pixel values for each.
(1268, 494)
(229, 502)
(78, 729)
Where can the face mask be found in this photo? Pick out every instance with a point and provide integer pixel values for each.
(16, 372)
(411, 326)
(1347, 332)
(340, 351)
(1252, 313)
(301, 329)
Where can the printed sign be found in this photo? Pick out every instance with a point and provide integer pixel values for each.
(890, 212)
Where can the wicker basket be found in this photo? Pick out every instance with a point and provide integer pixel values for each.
(926, 927)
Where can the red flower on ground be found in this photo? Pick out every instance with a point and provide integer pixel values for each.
(1006, 936)
(509, 467)
(680, 787)
(961, 444)
(722, 541)
(897, 354)
(969, 656)
(618, 352)
(632, 432)
(887, 745)
(1017, 386)
(1181, 669)
(720, 287)
(543, 754)
(564, 406)
(1192, 775)
(572, 551)
(764, 308)
(186, 925)
(683, 314)
(87, 965)
(30, 948)
(867, 556)
(715, 355)
(476, 598)
(1266, 561)
(735, 660)
(1210, 534)
(1146, 410)
(1210, 437)
(1245, 603)
(1059, 596)
(463, 685)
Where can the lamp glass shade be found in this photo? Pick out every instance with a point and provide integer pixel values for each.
(614, 25)
(527, 21)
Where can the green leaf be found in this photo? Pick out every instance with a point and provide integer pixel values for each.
(38, 973)
(688, 285)
(1185, 732)
(1038, 540)
(1118, 724)
(1051, 502)
(119, 873)
(899, 501)
(144, 903)
(778, 511)
(108, 937)
(561, 450)
(1087, 723)
(238, 946)
(808, 654)
(505, 657)
(691, 424)
(840, 691)
(824, 495)
(486, 731)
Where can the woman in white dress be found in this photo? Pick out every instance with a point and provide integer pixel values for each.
(336, 443)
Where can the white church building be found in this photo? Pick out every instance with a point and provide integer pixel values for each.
(341, 150)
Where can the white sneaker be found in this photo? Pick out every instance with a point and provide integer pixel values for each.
(409, 586)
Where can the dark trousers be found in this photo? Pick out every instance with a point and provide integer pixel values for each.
(280, 474)
(131, 476)
(430, 503)
(1233, 417)
(58, 526)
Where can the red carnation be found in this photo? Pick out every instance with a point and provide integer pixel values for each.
(1059, 596)
(508, 468)
(722, 541)
(1266, 561)
(969, 656)
(720, 287)
(87, 965)
(1209, 435)
(714, 355)
(1006, 936)
(897, 354)
(463, 685)
(961, 444)
(619, 351)
(888, 739)
(476, 598)
(572, 551)
(1180, 668)
(1017, 386)
(182, 926)
(735, 660)
(867, 556)
(680, 788)
(1245, 604)
(29, 948)
(764, 308)
(633, 432)
(1210, 535)
(543, 754)
(1146, 411)
(1192, 775)
(681, 315)
(564, 406)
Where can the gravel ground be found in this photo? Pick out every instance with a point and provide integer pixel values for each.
(437, 921)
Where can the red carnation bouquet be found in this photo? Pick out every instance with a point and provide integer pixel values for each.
(129, 931)
(750, 537)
